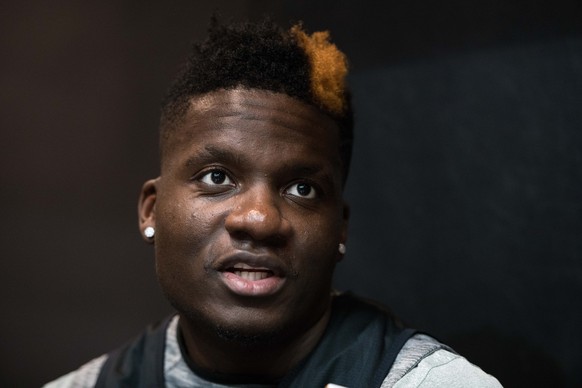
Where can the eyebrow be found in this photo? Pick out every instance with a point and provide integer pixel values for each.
(212, 153)
(310, 171)
(303, 170)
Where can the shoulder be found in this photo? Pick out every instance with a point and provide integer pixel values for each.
(425, 362)
(85, 376)
(141, 357)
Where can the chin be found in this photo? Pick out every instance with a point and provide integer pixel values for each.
(244, 330)
(246, 337)
(252, 327)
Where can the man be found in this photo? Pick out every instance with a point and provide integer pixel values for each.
(248, 222)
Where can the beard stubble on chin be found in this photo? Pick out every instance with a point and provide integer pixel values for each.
(239, 335)
(243, 338)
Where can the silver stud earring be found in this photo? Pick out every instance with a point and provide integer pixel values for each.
(149, 232)
(342, 248)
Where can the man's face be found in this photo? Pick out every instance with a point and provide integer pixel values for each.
(248, 213)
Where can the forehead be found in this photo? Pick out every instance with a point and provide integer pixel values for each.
(252, 119)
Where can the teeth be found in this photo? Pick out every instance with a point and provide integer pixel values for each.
(252, 275)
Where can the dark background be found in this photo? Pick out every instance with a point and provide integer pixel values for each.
(465, 188)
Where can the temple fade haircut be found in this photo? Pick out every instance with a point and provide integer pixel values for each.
(263, 56)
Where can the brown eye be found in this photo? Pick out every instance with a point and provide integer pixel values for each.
(302, 190)
(216, 177)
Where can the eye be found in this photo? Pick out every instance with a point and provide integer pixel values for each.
(302, 190)
(216, 178)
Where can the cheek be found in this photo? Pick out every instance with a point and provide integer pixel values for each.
(318, 241)
(185, 238)
(185, 230)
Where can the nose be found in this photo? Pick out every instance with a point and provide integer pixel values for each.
(257, 216)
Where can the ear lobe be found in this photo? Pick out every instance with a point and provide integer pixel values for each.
(146, 206)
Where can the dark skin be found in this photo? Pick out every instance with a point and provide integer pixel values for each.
(248, 213)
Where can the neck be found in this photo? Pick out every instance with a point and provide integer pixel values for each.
(268, 360)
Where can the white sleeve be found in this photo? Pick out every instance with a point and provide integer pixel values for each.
(84, 377)
(445, 369)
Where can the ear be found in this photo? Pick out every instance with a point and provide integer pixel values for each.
(345, 223)
(146, 207)
(344, 228)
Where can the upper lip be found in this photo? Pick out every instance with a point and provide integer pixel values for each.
(251, 261)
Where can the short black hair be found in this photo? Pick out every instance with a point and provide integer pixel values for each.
(263, 56)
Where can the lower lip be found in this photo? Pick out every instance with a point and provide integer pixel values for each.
(244, 287)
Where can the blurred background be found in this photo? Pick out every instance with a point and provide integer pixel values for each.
(465, 186)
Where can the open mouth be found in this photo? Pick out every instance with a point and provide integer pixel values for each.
(251, 274)
(248, 280)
